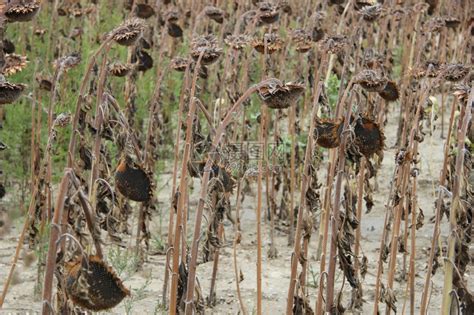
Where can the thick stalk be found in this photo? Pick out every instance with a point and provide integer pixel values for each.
(204, 184)
(455, 200)
(302, 206)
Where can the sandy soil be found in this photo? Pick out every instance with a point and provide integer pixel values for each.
(21, 300)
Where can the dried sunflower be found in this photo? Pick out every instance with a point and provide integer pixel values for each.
(278, 95)
(44, 83)
(302, 39)
(94, 285)
(452, 22)
(327, 132)
(129, 32)
(179, 64)
(174, 30)
(118, 69)
(10, 92)
(144, 10)
(214, 13)
(237, 42)
(273, 41)
(268, 12)
(22, 12)
(455, 72)
(390, 92)
(334, 44)
(132, 181)
(369, 138)
(206, 44)
(370, 81)
(14, 63)
(371, 13)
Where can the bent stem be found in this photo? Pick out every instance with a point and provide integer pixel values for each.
(302, 207)
(205, 180)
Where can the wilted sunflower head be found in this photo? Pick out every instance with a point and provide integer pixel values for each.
(94, 285)
(302, 40)
(434, 25)
(429, 68)
(14, 63)
(334, 44)
(214, 13)
(179, 64)
(276, 94)
(237, 42)
(144, 10)
(327, 132)
(455, 72)
(129, 32)
(273, 43)
(452, 21)
(10, 92)
(370, 81)
(268, 13)
(390, 92)
(371, 13)
(461, 91)
(207, 45)
(69, 61)
(22, 12)
(118, 69)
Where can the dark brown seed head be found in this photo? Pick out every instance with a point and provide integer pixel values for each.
(390, 92)
(302, 40)
(94, 285)
(371, 13)
(334, 44)
(172, 15)
(22, 12)
(44, 83)
(129, 32)
(145, 61)
(276, 94)
(118, 69)
(273, 41)
(214, 13)
(327, 133)
(455, 72)
(206, 44)
(452, 22)
(429, 68)
(144, 10)
(14, 63)
(8, 46)
(368, 137)
(10, 92)
(174, 30)
(132, 181)
(370, 81)
(268, 13)
(237, 42)
(179, 64)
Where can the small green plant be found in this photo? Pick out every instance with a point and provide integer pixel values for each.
(136, 296)
(125, 262)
